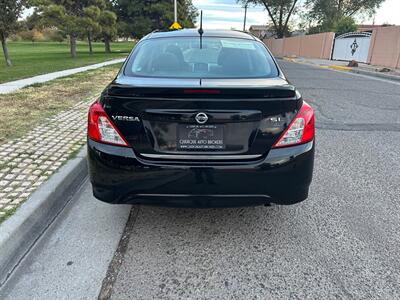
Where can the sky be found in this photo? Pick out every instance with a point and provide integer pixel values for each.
(226, 14)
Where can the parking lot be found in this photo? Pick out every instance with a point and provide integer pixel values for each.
(342, 242)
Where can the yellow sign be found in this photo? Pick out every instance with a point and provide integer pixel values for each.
(175, 26)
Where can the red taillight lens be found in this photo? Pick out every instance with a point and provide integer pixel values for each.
(301, 129)
(101, 129)
(211, 92)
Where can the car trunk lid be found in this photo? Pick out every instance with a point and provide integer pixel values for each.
(244, 117)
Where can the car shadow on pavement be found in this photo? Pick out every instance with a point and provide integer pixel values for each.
(189, 225)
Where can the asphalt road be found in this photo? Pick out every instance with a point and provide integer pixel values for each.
(343, 242)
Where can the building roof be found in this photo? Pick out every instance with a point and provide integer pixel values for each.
(259, 27)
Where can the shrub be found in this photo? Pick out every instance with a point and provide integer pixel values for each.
(345, 25)
(15, 38)
(53, 35)
(31, 35)
(340, 26)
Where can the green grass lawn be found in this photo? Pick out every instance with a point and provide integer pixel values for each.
(44, 57)
(26, 108)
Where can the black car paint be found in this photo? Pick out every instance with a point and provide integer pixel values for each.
(281, 177)
(248, 108)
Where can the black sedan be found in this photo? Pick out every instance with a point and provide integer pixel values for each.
(200, 119)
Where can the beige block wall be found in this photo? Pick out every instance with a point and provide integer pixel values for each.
(317, 45)
(291, 46)
(384, 49)
(312, 46)
(276, 46)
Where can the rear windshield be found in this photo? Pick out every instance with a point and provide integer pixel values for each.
(182, 57)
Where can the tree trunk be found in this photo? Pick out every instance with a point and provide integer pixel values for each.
(280, 24)
(289, 15)
(72, 43)
(5, 50)
(271, 16)
(107, 44)
(90, 43)
(339, 10)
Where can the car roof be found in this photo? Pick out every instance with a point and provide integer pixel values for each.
(195, 33)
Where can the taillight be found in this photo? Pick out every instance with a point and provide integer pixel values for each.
(300, 130)
(101, 129)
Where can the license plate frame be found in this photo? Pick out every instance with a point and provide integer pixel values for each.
(192, 137)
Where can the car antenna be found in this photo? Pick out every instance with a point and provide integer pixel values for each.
(201, 31)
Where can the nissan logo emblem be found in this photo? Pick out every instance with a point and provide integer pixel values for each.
(201, 118)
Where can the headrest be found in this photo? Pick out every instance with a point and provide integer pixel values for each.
(166, 62)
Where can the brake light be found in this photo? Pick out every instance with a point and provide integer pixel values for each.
(210, 92)
(101, 129)
(301, 129)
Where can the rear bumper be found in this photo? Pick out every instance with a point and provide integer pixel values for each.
(282, 177)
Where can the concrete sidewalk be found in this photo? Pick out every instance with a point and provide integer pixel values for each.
(71, 259)
(12, 86)
(365, 69)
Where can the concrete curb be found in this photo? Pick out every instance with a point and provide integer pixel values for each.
(376, 74)
(287, 59)
(20, 232)
(346, 69)
(340, 68)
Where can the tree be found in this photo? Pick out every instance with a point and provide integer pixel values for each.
(10, 11)
(100, 20)
(35, 22)
(67, 15)
(53, 34)
(345, 25)
(108, 23)
(279, 11)
(123, 29)
(91, 23)
(187, 13)
(137, 18)
(329, 12)
(58, 15)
